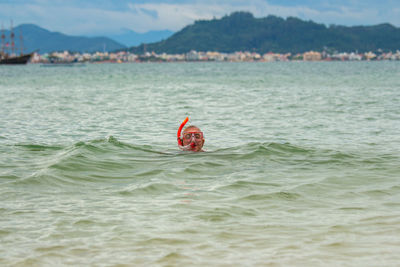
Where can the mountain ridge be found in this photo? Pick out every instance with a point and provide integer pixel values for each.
(36, 38)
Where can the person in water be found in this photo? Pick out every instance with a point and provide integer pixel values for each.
(191, 139)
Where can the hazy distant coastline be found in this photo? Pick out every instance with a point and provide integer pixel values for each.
(236, 33)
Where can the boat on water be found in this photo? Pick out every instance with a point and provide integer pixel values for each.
(12, 58)
(15, 60)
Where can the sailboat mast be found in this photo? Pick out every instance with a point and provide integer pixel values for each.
(21, 42)
(3, 39)
(12, 39)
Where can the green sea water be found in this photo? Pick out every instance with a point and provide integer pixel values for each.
(301, 165)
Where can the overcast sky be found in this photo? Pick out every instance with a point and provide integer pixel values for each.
(99, 17)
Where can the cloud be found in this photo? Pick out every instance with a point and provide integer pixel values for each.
(151, 13)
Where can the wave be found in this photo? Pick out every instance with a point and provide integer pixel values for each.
(251, 150)
(285, 152)
(108, 159)
(289, 153)
(89, 161)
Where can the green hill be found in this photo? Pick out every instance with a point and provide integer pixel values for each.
(241, 31)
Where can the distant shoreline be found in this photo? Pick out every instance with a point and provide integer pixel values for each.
(194, 56)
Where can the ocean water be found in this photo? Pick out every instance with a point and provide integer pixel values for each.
(301, 165)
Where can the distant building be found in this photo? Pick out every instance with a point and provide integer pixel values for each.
(312, 56)
(370, 56)
(354, 56)
(192, 56)
(269, 57)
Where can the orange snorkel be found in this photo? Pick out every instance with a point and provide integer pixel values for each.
(180, 142)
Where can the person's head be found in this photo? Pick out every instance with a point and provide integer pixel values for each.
(193, 137)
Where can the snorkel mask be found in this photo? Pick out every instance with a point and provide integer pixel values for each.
(189, 137)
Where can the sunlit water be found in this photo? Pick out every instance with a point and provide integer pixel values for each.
(301, 165)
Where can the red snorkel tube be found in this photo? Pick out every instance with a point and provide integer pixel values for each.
(180, 142)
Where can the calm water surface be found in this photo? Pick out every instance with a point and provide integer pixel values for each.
(301, 165)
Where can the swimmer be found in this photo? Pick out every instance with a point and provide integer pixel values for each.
(192, 138)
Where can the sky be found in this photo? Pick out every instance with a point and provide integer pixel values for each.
(105, 17)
